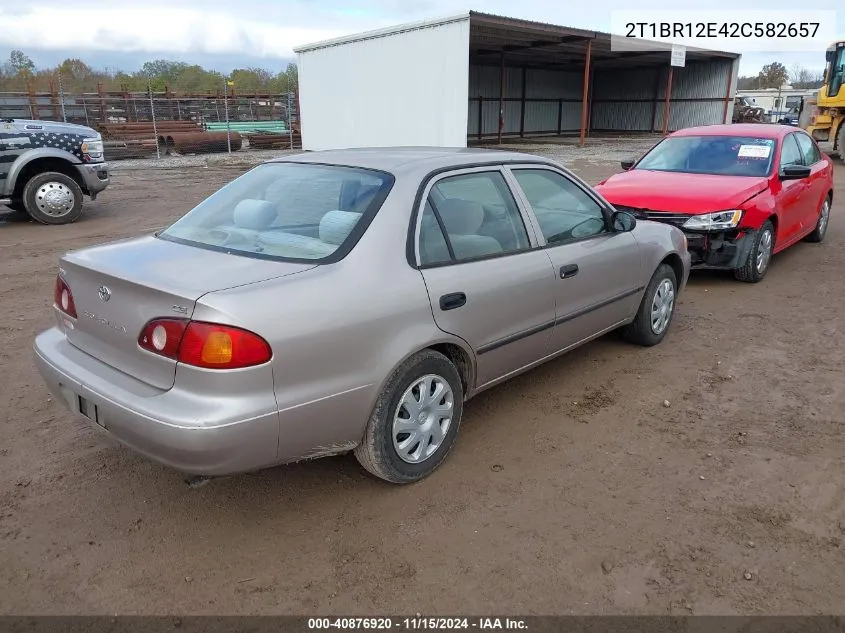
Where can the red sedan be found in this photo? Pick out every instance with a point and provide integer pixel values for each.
(740, 192)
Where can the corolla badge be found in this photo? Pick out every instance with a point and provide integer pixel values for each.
(109, 324)
(104, 292)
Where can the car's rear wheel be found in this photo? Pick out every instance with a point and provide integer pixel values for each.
(759, 256)
(53, 198)
(415, 420)
(821, 224)
(656, 309)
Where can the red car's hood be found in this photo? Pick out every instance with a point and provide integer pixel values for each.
(678, 192)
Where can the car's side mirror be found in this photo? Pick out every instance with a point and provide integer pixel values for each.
(622, 221)
(794, 172)
(628, 164)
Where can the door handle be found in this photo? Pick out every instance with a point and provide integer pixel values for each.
(570, 270)
(452, 300)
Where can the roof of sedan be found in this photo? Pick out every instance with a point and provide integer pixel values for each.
(757, 130)
(393, 159)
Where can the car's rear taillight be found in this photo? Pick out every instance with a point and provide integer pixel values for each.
(201, 344)
(162, 336)
(63, 298)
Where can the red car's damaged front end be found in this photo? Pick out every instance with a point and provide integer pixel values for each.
(739, 192)
(689, 202)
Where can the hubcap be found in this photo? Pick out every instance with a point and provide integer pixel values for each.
(662, 306)
(55, 199)
(764, 251)
(823, 217)
(423, 418)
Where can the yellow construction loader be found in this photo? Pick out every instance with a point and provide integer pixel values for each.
(827, 121)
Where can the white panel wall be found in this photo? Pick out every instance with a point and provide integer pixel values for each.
(407, 88)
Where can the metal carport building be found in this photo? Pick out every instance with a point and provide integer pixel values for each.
(476, 76)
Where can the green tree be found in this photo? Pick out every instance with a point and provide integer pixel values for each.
(20, 64)
(76, 75)
(772, 75)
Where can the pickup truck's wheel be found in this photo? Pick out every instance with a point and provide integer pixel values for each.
(53, 198)
(759, 257)
(656, 309)
(415, 420)
(821, 224)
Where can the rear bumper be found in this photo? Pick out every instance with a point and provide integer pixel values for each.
(726, 250)
(95, 176)
(193, 433)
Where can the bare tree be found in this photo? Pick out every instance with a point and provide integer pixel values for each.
(800, 75)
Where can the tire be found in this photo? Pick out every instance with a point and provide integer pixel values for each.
(840, 142)
(644, 330)
(759, 257)
(379, 451)
(822, 223)
(53, 198)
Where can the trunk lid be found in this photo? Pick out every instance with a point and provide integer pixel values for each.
(118, 287)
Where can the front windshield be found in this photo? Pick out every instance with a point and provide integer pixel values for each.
(718, 155)
(296, 211)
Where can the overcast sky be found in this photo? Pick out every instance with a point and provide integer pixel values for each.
(226, 34)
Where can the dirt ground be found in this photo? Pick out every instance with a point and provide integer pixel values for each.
(571, 489)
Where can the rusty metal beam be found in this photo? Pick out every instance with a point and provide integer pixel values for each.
(522, 103)
(585, 89)
(501, 96)
(667, 102)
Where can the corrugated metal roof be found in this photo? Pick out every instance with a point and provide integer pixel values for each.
(484, 26)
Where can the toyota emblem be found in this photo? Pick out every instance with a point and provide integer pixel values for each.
(104, 292)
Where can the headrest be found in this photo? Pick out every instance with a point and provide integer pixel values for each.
(254, 214)
(336, 226)
(461, 217)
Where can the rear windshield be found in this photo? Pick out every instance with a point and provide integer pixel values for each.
(719, 155)
(289, 211)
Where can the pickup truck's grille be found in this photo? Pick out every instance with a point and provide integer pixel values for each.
(668, 217)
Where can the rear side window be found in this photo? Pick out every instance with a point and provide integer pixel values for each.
(479, 215)
(294, 211)
(790, 153)
(809, 151)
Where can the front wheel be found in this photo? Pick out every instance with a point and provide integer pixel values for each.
(656, 309)
(415, 420)
(821, 224)
(53, 198)
(759, 257)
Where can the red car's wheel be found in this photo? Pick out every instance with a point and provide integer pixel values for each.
(759, 257)
(821, 225)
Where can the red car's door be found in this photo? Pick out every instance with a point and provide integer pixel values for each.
(791, 195)
(817, 185)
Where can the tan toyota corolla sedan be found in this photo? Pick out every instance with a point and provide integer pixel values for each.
(348, 301)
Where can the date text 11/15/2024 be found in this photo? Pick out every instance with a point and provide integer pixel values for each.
(417, 623)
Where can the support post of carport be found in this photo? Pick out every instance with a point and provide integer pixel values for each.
(666, 103)
(728, 93)
(585, 91)
(522, 108)
(501, 96)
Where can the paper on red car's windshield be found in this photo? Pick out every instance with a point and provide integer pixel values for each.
(754, 151)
